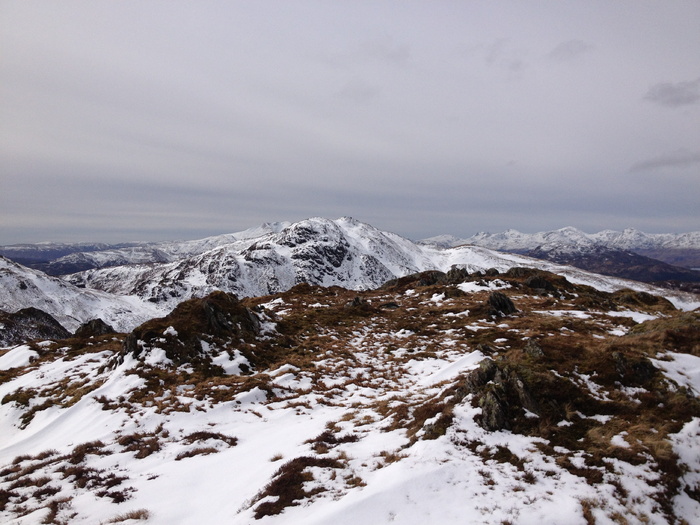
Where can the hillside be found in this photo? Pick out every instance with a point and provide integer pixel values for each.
(459, 397)
(342, 252)
(668, 260)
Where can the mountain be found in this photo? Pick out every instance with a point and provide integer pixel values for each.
(343, 252)
(22, 287)
(629, 239)
(44, 252)
(60, 259)
(618, 263)
(28, 324)
(452, 397)
(664, 259)
(269, 259)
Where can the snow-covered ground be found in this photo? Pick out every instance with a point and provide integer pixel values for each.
(346, 417)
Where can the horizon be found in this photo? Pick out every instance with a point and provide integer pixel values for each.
(460, 237)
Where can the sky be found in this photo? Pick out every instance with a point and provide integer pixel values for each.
(134, 121)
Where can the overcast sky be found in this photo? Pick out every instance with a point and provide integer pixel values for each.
(135, 120)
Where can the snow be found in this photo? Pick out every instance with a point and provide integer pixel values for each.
(231, 364)
(276, 257)
(637, 317)
(684, 369)
(18, 356)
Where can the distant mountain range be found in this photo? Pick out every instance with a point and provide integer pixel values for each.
(628, 239)
(130, 285)
(665, 258)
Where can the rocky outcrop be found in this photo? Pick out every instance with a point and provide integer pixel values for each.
(187, 334)
(500, 304)
(28, 324)
(94, 328)
(501, 393)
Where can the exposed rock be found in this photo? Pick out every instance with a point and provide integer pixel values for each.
(501, 304)
(494, 408)
(217, 319)
(500, 392)
(539, 283)
(457, 275)
(94, 328)
(533, 349)
(637, 371)
(28, 324)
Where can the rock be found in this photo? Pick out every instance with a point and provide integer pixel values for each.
(540, 284)
(457, 275)
(217, 319)
(500, 392)
(500, 304)
(494, 408)
(533, 349)
(28, 324)
(633, 371)
(93, 328)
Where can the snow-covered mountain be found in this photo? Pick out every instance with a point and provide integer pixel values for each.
(435, 385)
(343, 252)
(269, 259)
(64, 258)
(628, 239)
(22, 287)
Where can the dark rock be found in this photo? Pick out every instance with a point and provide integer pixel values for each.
(634, 371)
(500, 392)
(519, 272)
(494, 408)
(389, 306)
(538, 282)
(457, 275)
(428, 278)
(28, 324)
(500, 304)
(478, 378)
(485, 349)
(218, 319)
(94, 328)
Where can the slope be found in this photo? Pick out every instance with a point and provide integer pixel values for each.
(343, 252)
(420, 402)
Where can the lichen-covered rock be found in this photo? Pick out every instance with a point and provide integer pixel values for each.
(533, 349)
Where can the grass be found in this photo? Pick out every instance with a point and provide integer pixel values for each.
(138, 515)
(286, 487)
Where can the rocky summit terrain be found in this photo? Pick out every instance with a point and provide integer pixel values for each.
(508, 396)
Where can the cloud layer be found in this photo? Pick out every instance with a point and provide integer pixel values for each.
(128, 121)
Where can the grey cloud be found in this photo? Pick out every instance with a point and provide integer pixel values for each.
(674, 95)
(677, 159)
(122, 124)
(386, 50)
(359, 91)
(502, 54)
(569, 50)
